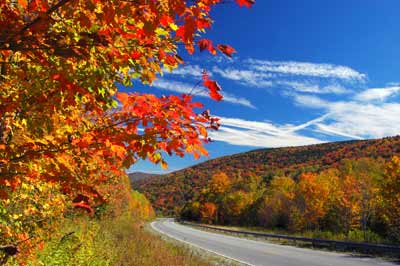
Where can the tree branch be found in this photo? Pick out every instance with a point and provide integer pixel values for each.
(48, 12)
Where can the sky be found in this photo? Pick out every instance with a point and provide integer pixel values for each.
(305, 72)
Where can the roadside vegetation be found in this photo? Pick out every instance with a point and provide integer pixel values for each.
(356, 201)
(115, 234)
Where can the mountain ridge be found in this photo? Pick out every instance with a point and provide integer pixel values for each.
(169, 193)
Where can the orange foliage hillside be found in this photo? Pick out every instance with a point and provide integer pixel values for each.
(169, 193)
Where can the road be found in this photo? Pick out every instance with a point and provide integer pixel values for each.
(250, 252)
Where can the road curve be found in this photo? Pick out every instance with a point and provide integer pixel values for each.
(257, 253)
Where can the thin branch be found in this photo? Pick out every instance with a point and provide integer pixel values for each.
(36, 20)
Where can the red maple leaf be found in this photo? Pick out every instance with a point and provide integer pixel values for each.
(205, 44)
(247, 3)
(226, 49)
(214, 89)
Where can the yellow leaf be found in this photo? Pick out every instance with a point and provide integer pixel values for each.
(173, 26)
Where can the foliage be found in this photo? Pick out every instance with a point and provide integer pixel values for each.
(224, 200)
(219, 183)
(31, 216)
(276, 208)
(312, 193)
(391, 196)
(170, 193)
(353, 200)
(64, 127)
(114, 241)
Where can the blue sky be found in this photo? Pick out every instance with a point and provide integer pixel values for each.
(306, 72)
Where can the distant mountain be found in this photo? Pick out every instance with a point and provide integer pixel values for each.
(136, 176)
(168, 193)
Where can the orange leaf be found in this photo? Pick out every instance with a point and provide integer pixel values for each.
(214, 89)
(23, 3)
(226, 49)
(123, 98)
(205, 44)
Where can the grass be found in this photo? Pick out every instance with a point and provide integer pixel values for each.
(121, 241)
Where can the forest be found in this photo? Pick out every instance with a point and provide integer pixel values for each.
(346, 189)
(168, 193)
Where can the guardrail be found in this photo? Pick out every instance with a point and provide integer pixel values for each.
(364, 247)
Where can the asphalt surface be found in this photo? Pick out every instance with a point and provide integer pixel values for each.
(250, 252)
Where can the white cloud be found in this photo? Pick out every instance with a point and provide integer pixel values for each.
(187, 70)
(355, 119)
(301, 77)
(181, 87)
(310, 101)
(380, 94)
(251, 125)
(242, 132)
(292, 128)
(307, 69)
(334, 131)
(246, 77)
(315, 88)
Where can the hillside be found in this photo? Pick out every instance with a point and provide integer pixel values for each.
(168, 193)
(136, 176)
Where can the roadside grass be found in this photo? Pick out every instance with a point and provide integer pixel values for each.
(121, 241)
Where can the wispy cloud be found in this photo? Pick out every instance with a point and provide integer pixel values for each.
(187, 70)
(310, 101)
(306, 69)
(302, 77)
(355, 119)
(379, 94)
(246, 77)
(181, 87)
(242, 132)
(316, 88)
(325, 129)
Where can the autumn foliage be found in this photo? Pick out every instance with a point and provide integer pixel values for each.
(169, 195)
(342, 189)
(352, 201)
(64, 127)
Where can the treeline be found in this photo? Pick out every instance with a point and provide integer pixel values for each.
(358, 200)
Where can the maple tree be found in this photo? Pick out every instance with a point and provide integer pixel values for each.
(63, 121)
(312, 197)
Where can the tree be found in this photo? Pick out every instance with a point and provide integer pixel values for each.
(236, 203)
(391, 194)
(369, 176)
(311, 200)
(278, 202)
(62, 120)
(208, 212)
(219, 183)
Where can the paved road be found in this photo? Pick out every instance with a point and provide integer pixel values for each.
(250, 252)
